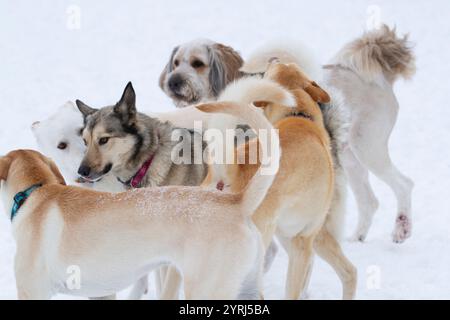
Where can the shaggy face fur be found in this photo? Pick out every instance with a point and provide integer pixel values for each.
(198, 71)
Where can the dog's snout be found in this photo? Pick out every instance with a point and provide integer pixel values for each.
(84, 170)
(175, 82)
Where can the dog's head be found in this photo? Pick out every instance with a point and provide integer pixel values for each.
(198, 71)
(21, 169)
(292, 77)
(110, 134)
(59, 137)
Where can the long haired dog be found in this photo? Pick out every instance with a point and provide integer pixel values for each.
(198, 71)
(364, 71)
(114, 239)
(297, 205)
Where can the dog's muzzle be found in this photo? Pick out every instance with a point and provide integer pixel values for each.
(181, 90)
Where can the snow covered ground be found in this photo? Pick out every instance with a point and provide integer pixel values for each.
(44, 61)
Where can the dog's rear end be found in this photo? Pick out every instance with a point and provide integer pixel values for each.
(364, 72)
(378, 56)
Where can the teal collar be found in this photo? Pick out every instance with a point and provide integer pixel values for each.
(21, 197)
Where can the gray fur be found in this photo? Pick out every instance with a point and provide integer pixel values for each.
(337, 123)
(151, 137)
(217, 74)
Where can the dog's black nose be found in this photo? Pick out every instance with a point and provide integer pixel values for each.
(84, 171)
(175, 82)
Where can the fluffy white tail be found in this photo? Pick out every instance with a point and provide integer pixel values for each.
(287, 51)
(378, 54)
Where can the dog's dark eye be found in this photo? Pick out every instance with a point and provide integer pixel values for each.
(197, 64)
(62, 145)
(85, 142)
(80, 132)
(176, 63)
(103, 141)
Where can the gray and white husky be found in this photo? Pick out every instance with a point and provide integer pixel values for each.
(122, 141)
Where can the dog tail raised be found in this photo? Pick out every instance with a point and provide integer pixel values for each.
(379, 54)
(286, 51)
(258, 187)
(248, 90)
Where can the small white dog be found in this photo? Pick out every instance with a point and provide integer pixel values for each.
(364, 71)
(59, 137)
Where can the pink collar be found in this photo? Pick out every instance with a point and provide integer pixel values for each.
(139, 176)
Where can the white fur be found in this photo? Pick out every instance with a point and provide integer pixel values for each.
(373, 109)
(287, 51)
(64, 126)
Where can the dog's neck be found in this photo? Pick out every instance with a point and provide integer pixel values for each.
(154, 144)
(9, 189)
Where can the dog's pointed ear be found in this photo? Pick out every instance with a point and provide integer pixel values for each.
(168, 68)
(224, 64)
(317, 93)
(126, 107)
(5, 163)
(85, 109)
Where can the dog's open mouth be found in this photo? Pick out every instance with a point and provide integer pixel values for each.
(95, 178)
(84, 180)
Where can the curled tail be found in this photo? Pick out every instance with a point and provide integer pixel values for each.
(379, 53)
(250, 89)
(258, 187)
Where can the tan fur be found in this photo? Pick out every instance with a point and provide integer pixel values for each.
(116, 238)
(231, 59)
(379, 54)
(297, 204)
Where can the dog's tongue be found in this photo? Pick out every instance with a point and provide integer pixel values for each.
(82, 180)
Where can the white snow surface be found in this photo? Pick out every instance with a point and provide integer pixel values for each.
(43, 64)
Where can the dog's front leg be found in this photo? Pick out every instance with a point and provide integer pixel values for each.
(32, 288)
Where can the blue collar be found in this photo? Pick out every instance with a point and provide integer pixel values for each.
(21, 197)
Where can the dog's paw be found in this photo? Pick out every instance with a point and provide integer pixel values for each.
(403, 228)
(358, 236)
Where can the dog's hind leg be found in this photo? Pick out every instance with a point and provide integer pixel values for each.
(329, 249)
(270, 255)
(358, 178)
(374, 154)
(171, 284)
(300, 251)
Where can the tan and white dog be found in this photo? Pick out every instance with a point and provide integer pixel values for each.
(297, 205)
(114, 239)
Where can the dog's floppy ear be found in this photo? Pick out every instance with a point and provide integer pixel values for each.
(5, 163)
(168, 68)
(56, 171)
(126, 107)
(85, 109)
(224, 63)
(317, 93)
